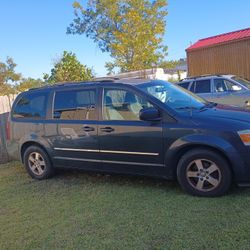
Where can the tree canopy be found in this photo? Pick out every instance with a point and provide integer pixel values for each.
(8, 76)
(171, 64)
(28, 83)
(12, 82)
(130, 30)
(7, 72)
(69, 69)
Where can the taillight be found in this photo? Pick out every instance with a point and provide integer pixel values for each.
(8, 128)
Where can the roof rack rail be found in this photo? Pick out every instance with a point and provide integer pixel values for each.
(59, 84)
(205, 75)
(105, 79)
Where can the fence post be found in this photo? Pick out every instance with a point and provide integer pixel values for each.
(3, 149)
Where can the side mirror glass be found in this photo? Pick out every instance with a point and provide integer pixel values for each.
(236, 88)
(150, 114)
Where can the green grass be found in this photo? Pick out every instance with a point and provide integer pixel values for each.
(77, 210)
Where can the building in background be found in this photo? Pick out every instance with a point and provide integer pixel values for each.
(223, 54)
(173, 75)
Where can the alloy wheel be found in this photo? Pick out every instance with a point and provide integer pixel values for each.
(36, 163)
(203, 175)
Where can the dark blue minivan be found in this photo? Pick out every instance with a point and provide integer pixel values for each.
(140, 127)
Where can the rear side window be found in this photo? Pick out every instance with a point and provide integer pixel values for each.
(220, 85)
(31, 105)
(184, 85)
(75, 105)
(202, 86)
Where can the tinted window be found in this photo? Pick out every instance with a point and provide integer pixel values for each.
(122, 105)
(232, 86)
(202, 86)
(31, 105)
(192, 87)
(75, 105)
(173, 96)
(223, 85)
(219, 85)
(184, 85)
(245, 82)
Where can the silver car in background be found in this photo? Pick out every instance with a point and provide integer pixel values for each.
(224, 89)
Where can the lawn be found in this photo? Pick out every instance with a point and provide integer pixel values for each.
(77, 210)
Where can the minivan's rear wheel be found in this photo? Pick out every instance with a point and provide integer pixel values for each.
(37, 163)
(204, 173)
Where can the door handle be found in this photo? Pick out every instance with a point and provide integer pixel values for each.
(107, 129)
(88, 129)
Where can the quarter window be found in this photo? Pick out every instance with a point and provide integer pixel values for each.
(122, 105)
(184, 85)
(202, 86)
(32, 106)
(75, 105)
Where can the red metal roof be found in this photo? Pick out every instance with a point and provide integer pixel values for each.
(227, 37)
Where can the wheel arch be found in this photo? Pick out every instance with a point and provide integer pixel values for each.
(215, 144)
(28, 144)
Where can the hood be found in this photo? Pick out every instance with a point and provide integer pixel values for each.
(224, 112)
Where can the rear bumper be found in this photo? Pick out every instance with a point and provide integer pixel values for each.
(13, 151)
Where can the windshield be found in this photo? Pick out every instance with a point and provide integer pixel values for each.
(174, 96)
(244, 82)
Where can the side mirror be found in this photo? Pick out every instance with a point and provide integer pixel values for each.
(150, 114)
(236, 88)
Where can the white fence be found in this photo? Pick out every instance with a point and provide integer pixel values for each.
(6, 103)
(5, 106)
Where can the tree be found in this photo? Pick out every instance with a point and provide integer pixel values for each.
(110, 67)
(8, 76)
(130, 30)
(69, 69)
(28, 83)
(172, 64)
(169, 64)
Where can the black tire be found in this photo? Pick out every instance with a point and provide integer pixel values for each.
(204, 173)
(35, 156)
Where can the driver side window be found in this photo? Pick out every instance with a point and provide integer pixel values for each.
(219, 85)
(122, 105)
(223, 85)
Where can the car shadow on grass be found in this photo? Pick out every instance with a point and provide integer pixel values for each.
(134, 181)
(73, 175)
(81, 177)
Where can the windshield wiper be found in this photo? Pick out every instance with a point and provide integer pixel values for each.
(208, 105)
(186, 108)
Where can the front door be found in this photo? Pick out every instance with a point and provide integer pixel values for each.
(227, 92)
(124, 138)
(75, 142)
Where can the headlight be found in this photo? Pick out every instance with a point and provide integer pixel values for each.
(245, 136)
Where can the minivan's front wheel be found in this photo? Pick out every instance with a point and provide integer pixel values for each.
(37, 163)
(204, 173)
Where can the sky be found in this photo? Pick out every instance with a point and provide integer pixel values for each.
(33, 32)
